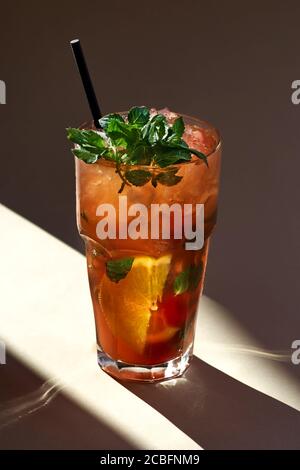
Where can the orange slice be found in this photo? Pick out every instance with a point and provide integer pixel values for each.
(128, 305)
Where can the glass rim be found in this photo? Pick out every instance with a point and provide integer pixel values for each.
(185, 117)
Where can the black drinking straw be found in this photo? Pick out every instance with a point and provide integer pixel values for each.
(86, 81)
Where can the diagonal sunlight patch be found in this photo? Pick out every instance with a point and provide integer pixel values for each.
(49, 326)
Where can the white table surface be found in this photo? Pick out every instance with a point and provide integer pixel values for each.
(46, 321)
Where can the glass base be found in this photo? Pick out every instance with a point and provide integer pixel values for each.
(148, 373)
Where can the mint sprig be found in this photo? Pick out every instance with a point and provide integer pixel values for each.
(140, 140)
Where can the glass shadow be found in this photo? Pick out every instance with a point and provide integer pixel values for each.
(219, 412)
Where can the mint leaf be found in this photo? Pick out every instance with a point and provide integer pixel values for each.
(188, 279)
(167, 178)
(138, 116)
(138, 177)
(178, 127)
(90, 144)
(141, 154)
(85, 137)
(173, 142)
(181, 282)
(94, 139)
(92, 149)
(156, 129)
(110, 118)
(175, 133)
(121, 134)
(166, 155)
(75, 135)
(118, 269)
(85, 155)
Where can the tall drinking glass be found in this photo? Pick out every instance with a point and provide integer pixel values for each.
(146, 277)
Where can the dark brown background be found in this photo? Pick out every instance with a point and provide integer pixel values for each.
(231, 63)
